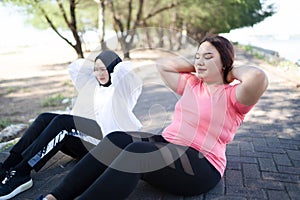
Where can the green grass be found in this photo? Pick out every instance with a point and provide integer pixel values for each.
(257, 54)
(247, 48)
(8, 90)
(53, 101)
(67, 83)
(9, 144)
(4, 123)
(254, 52)
(11, 90)
(26, 90)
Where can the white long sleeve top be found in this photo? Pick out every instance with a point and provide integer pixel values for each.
(112, 107)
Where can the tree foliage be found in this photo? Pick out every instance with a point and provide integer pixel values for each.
(130, 15)
(130, 18)
(198, 18)
(68, 18)
(214, 16)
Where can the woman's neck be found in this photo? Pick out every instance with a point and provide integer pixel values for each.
(213, 87)
(214, 83)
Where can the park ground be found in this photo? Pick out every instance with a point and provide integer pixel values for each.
(35, 80)
(263, 159)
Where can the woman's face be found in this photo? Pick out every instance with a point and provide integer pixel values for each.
(208, 64)
(101, 72)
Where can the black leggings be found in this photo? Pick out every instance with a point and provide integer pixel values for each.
(131, 156)
(45, 128)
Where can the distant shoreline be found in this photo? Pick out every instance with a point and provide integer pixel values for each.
(287, 49)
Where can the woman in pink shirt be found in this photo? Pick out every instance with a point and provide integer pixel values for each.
(189, 157)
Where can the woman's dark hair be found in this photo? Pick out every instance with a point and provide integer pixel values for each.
(110, 59)
(226, 51)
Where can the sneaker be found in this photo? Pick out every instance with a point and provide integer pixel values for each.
(14, 184)
(3, 172)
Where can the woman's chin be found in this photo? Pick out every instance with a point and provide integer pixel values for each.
(102, 82)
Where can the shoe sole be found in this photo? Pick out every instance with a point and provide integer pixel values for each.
(18, 190)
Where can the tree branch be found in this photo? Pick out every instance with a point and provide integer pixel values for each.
(63, 12)
(51, 24)
(139, 14)
(73, 23)
(116, 19)
(153, 7)
(172, 5)
(129, 14)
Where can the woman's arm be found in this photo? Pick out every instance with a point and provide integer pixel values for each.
(169, 69)
(127, 84)
(253, 83)
(81, 71)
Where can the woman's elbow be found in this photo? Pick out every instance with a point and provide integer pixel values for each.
(261, 77)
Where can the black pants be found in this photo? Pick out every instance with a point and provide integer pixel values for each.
(45, 128)
(113, 168)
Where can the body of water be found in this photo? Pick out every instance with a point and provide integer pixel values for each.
(287, 47)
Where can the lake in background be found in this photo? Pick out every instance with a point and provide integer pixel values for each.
(287, 47)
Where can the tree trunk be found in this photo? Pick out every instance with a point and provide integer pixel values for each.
(171, 45)
(73, 26)
(179, 33)
(78, 50)
(160, 33)
(125, 46)
(127, 50)
(121, 26)
(101, 23)
(148, 36)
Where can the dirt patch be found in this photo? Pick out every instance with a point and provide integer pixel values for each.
(23, 99)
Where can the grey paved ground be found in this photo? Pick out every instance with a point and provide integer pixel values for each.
(263, 159)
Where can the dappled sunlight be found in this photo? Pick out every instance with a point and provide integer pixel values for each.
(277, 114)
(21, 99)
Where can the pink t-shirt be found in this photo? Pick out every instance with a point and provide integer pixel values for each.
(205, 121)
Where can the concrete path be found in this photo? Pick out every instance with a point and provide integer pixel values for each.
(263, 159)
